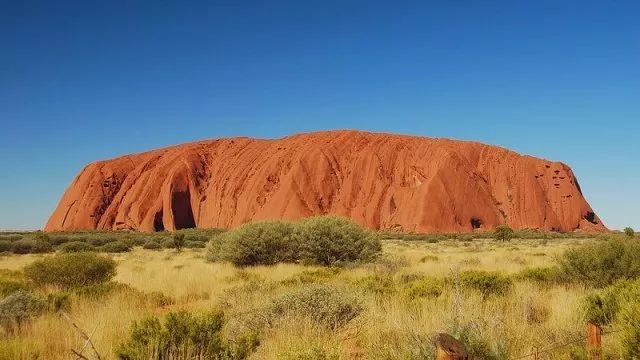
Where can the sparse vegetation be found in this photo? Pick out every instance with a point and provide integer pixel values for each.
(115, 247)
(75, 246)
(178, 241)
(34, 246)
(486, 282)
(619, 303)
(5, 246)
(333, 240)
(261, 243)
(151, 245)
(18, 308)
(424, 288)
(190, 244)
(629, 232)
(503, 233)
(327, 305)
(542, 275)
(324, 240)
(12, 281)
(168, 244)
(71, 270)
(184, 336)
(602, 263)
(508, 297)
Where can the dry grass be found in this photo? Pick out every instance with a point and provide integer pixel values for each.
(391, 326)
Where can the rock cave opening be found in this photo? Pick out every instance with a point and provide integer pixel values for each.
(590, 216)
(158, 225)
(475, 223)
(181, 210)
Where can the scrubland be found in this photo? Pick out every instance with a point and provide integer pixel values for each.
(501, 298)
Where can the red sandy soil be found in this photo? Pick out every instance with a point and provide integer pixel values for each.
(383, 181)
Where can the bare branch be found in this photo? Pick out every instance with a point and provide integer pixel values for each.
(79, 355)
(89, 339)
(82, 333)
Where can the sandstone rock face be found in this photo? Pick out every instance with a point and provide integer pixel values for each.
(382, 181)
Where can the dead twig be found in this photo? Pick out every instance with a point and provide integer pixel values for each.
(83, 334)
(86, 343)
(79, 355)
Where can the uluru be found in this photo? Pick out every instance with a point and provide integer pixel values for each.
(383, 181)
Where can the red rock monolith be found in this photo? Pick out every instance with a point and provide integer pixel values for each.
(382, 181)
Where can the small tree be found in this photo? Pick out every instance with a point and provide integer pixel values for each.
(178, 241)
(629, 232)
(503, 233)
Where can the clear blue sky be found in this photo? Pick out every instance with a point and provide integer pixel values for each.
(88, 80)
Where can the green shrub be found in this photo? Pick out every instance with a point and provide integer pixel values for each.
(71, 270)
(159, 299)
(629, 232)
(115, 247)
(75, 246)
(327, 305)
(619, 304)
(260, 243)
(33, 246)
(477, 344)
(132, 240)
(542, 275)
(11, 237)
(531, 234)
(58, 239)
(101, 290)
(423, 288)
(465, 237)
(333, 240)
(9, 286)
(198, 238)
(377, 284)
(18, 308)
(158, 239)
(190, 244)
(602, 307)
(312, 276)
(100, 241)
(486, 282)
(178, 241)
(59, 301)
(184, 336)
(324, 240)
(429, 238)
(503, 233)
(629, 315)
(168, 244)
(602, 263)
(5, 246)
(40, 236)
(151, 245)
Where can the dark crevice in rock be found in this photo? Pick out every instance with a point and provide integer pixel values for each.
(590, 216)
(577, 185)
(476, 223)
(181, 209)
(158, 225)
